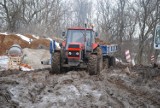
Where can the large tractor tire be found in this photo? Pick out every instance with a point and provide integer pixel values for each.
(99, 61)
(100, 64)
(112, 61)
(92, 64)
(56, 63)
(106, 63)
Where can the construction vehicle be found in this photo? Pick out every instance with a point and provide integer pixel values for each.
(157, 46)
(79, 50)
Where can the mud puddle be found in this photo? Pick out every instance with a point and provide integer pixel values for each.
(113, 88)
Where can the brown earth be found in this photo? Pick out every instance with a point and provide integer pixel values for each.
(116, 87)
(40, 43)
(6, 41)
(121, 86)
(29, 36)
(113, 88)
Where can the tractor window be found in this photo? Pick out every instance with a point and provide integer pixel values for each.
(78, 36)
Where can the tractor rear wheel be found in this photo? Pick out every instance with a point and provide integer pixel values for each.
(99, 61)
(112, 61)
(106, 63)
(100, 64)
(92, 64)
(56, 63)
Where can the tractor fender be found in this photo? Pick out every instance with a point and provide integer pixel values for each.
(94, 45)
(52, 46)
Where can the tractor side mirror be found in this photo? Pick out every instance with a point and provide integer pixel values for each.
(63, 33)
(96, 34)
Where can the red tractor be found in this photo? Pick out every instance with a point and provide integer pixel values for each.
(79, 50)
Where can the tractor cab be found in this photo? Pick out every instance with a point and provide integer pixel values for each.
(80, 36)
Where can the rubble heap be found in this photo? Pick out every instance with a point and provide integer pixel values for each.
(97, 40)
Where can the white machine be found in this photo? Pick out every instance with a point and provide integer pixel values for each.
(157, 46)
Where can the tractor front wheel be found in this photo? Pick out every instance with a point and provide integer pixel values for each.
(92, 64)
(56, 63)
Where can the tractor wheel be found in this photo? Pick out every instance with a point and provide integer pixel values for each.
(100, 64)
(99, 61)
(106, 63)
(112, 61)
(92, 64)
(56, 63)
(62, 60)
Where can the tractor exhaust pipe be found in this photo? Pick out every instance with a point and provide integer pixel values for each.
(85, 38)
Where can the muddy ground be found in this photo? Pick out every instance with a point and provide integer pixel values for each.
(116, 87)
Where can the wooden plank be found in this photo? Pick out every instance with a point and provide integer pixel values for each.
(14, 63)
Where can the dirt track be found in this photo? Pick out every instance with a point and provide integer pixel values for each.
(113, 88)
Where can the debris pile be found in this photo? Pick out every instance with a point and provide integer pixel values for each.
(40, 44)
(31, 60)
(31, 36)
(97, 40)
(8, 40)
(25, 67)
(33, 57)
(25, 41)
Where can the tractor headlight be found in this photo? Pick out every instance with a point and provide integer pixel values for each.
(77, 53)
(69, 53)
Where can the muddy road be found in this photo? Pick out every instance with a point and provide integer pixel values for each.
(116, 87)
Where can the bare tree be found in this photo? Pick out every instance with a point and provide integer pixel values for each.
(146, 21)
(117, 22)
(32, 15)
(105, 19)
(82, 11)
(12, 13)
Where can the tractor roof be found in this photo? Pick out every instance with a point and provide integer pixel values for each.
(79, 28)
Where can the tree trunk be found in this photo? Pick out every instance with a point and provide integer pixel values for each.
(140, 53)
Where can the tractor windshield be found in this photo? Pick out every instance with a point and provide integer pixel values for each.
(78, 36)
